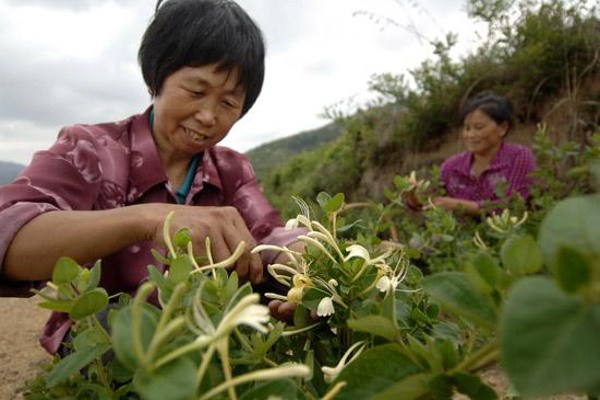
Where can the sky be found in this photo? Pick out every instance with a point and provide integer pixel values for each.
(75, 61)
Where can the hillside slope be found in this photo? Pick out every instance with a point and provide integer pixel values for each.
(270, 155)
(8, 171)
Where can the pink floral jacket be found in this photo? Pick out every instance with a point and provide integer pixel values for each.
(105, 166)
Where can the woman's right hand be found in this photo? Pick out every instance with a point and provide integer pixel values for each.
(411, 200)
(224, 226)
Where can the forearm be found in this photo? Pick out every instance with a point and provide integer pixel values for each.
(82, 235)
(470, 207)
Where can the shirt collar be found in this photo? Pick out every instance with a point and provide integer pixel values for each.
(146, 166)
(465, 162)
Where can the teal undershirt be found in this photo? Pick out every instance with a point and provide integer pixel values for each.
(183, 191)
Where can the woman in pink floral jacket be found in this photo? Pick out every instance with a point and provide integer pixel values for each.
(103, 191)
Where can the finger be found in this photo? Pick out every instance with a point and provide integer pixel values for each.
(286, 311)
(233, 239)
(273, 307)
(255, 266)
(219, 248)
(314, 315)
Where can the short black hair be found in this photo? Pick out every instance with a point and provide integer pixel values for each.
(495, 106)
(194, 33)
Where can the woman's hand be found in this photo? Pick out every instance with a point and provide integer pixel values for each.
(224, 226)
(451, 204)
(411, 200)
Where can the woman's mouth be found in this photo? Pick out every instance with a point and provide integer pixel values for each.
(198, 137)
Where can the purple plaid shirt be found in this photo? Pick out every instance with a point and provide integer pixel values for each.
(511, 166)
(105, 166)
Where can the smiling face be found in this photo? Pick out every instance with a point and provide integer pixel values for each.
(196, 108)
(481, 134)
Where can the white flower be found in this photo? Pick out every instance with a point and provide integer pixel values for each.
(291, 224)
(325, 307)
(247, 312)
(332, 372)
(357, 250)
(383, 284)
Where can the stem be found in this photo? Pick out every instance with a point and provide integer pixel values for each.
(223, 349)
(136, 316)
(167, 234)
(335, 390)
(205, 362)
(485, 354)
(101, 328)
(195, 345)
(333, 225)
(243, 341)
(102, 375)
(160, 337)
(260, 375)
(305, 329)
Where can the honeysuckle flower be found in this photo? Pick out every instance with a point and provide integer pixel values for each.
(325, 307)
(504, 222)
(316, 243)
(479, 242)
(359, 251)
(332, 372)
(296, 222)
(294, 256)
(301, 282)
(246, 312)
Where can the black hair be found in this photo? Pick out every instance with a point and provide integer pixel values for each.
(194, 33)
(495, 106)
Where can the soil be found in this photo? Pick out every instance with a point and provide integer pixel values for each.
(20, 351)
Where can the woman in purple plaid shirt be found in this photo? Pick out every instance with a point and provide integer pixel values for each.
(490, 164)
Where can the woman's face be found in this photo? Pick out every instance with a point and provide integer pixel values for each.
(481, 134)
(196, 108)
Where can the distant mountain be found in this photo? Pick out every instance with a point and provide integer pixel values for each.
(8, 171)
(267, 156)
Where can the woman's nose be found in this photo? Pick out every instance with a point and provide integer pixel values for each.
(206, 114)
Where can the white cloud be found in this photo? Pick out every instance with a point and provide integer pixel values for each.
(74, 61)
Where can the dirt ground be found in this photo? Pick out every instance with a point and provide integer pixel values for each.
(20, 352)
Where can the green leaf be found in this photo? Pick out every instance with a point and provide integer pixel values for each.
(280, 389)
(472, 386)
(311, 298)
(521, 255)
(376, 325)
(441, 387)
(573, 269)
(323, 199)
(458, 294)
(159, 257)
(94, 277)
(233, 284)
(60, 306)
(65, 270)
(549, 340)
(122, 333)
(335, 203)
(487, 268)
(375, 370)
(173, 381)
(182, 238)
(301, 317)
(574, 222)
(412, 387)
(180, 269)
(89, 303)
(73, 363)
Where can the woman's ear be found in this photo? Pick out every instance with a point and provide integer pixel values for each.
(503, 128)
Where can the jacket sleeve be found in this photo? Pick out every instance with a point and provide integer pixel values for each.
(262, 219)
(65, 177)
